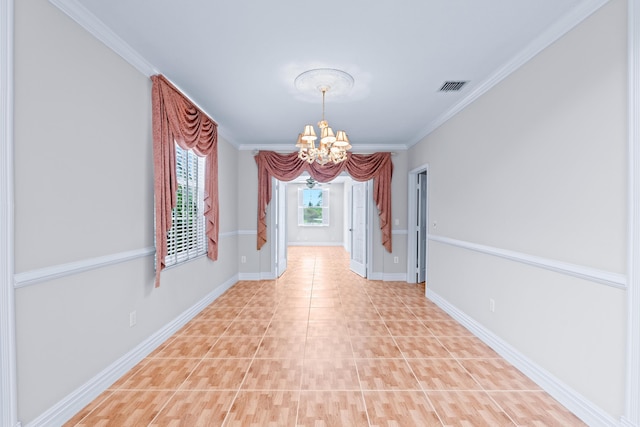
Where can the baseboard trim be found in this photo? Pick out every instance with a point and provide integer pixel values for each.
(264, 275)
(82, 396)
(572, 400)
(388, 277)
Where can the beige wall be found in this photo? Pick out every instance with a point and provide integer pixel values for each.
(537, 166)
(332, 234)
(84, 190)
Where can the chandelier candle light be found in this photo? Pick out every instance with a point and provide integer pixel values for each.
(333, 147)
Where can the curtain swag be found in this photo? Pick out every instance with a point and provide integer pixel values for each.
(176, 118)
(361, 167)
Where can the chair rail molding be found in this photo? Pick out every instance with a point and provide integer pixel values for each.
(608, 278)
(54, 272)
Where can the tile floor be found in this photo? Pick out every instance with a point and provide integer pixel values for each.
(323, 347)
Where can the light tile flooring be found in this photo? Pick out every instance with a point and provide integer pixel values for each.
(323, 347)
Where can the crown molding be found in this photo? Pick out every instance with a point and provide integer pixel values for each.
(288, 148)
(99, 30)
(553, 33)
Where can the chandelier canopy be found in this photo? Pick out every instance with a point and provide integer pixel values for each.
(332, 147)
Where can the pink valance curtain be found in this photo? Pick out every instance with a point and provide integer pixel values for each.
(175, 118)
(361, 167)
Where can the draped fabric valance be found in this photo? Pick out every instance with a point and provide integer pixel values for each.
(175, 118)
(361, 167)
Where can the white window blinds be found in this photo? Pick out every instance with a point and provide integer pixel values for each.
(186, 239)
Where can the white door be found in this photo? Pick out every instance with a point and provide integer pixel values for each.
(421, 227)
(359, 228)
(280, 203)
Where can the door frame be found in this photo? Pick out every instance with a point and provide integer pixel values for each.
(412, 216)
(368, 250)
(279, 226)
(8, 365)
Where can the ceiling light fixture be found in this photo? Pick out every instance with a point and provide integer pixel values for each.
(311, 182)
(332, 147)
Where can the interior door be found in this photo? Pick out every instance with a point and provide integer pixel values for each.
(358, 262)
(421, 227)
(280, 202)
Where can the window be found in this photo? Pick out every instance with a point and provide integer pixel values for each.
(313, 207)
(186, 239)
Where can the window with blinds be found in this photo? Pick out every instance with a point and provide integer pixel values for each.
(186, 239)
(313, 206)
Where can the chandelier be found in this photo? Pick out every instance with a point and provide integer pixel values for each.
(332, 147)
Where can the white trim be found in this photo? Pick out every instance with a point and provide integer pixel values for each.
(394, 277)
(553, 33)
(358, 148)
(632, 400)
(263, 275)
(8, 380)
(388, 277)
(54, 272)
(314, 243)
(87, 20)
(99, 30)
(375, 276)
(608, 278)
(411, 219)
(568, 397)
(62, 411)
(399, 232)
(247, 232)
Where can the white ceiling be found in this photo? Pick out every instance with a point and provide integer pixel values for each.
(237, 59)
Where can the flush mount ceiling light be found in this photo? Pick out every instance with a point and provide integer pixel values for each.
(333, 147)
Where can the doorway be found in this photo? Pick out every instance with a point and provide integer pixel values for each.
(358, 229)
(356, 207)
(280, 226)
(418, 219)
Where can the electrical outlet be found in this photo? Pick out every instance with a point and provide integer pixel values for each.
(395, 259)
(243, 259)
(132, 319)
(492, 305)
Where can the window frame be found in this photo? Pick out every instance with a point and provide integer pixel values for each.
(324, 208)
(187, 239)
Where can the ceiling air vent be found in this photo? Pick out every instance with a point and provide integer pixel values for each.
(452, 86)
